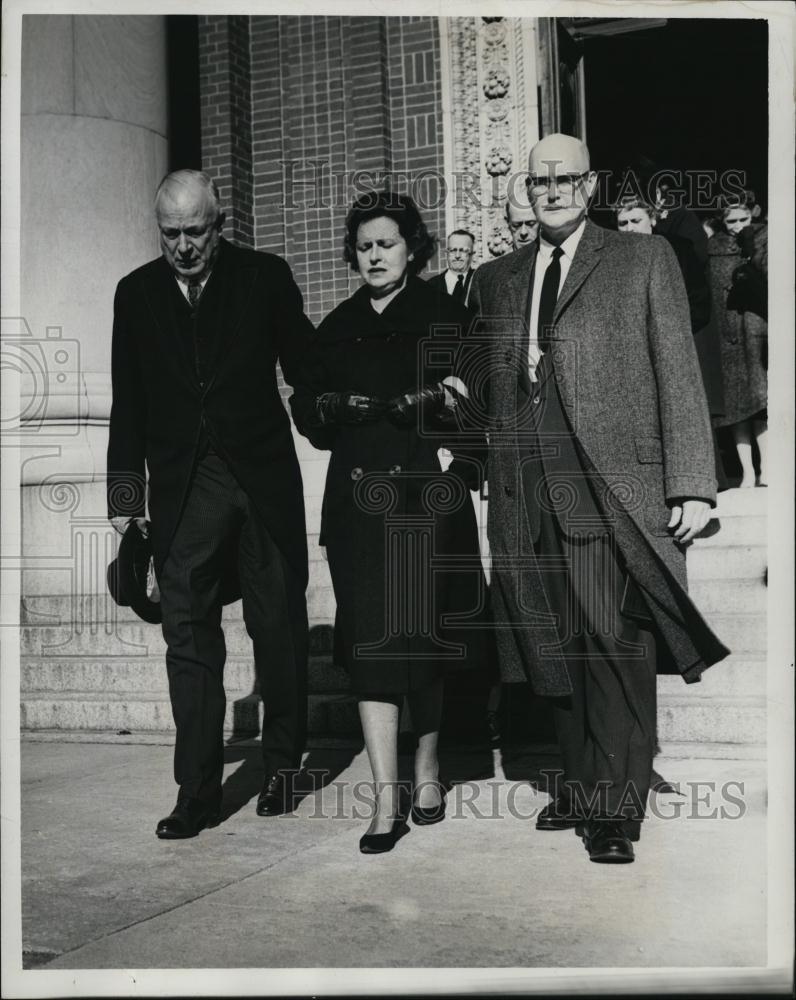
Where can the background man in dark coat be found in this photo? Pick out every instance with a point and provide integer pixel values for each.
(196, 337)
(456, 280)
(600, 470)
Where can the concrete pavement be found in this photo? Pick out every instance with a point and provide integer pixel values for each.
(482, 889)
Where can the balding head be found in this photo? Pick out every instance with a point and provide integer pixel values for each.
(189, 218)
(559, 154)
(560, 184)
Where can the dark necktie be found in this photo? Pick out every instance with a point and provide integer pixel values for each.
(194, 291)
(458, 289)
(547, 300)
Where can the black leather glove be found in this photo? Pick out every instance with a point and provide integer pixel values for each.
(347, 408)
(404, 410)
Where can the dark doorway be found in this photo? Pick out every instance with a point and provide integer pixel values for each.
(184, 119)
(688, 95)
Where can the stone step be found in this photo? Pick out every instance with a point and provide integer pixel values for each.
(715, 720)
(56, 582)
(729, 596)
(741, 633)
(732, 562)
(740, 675)
(137, 639)
(97, 609)
(328, 714)
(739, 720)
(136, 677)
(725, 530)
(742, 503)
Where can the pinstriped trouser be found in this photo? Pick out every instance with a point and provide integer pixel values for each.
(217, 516)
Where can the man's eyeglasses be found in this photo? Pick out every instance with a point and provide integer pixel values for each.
(538, 183)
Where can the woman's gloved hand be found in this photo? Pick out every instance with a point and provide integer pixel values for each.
(347, 408)
(404, 409)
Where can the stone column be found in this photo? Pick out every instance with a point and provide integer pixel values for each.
(490, 120)
(93, 148)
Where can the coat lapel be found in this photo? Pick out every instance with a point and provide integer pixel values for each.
(221, 308)
(586, 258)
(522, 265)
(160, 286)
(223, 304)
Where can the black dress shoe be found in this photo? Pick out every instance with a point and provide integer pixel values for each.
(276, 795)
(557, 815)
(607, 843)
(436, 814)
(380, 843)
(189, 817)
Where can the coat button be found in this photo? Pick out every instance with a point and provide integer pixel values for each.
(507, 490)
(508, 355)
(394, 469)
(356, 473)
(536, 400)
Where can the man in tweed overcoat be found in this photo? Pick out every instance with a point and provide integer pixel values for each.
(600, 472)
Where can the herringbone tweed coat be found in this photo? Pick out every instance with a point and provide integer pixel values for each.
(624, 361)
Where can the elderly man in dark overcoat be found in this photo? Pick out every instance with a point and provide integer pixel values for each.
(600, 473)
(196, 338)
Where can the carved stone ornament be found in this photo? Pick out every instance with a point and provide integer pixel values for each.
(498, 109)
(499, 241)
(494, 32)
(497, 83)
(498, 161)
(494, 118)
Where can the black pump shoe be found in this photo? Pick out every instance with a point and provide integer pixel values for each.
(380, 843)
(436, 814)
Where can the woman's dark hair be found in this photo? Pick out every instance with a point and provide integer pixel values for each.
(403, 211)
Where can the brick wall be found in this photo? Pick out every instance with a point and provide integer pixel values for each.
(292, 106)
(225, 88)
(416, 115)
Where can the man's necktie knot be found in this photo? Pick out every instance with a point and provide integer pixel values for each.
(458, 289)
(194, 291)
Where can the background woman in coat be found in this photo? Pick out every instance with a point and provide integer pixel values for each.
(389, 511)
(633, 215)
(738, 274)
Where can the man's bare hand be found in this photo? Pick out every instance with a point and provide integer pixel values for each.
(120, 524)
(689, 519)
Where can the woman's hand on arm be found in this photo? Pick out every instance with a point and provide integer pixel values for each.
(347, 408)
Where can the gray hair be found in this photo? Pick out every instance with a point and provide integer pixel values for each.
(189, 178)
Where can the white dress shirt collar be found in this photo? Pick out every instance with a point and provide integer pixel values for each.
(182, 284)
(451, 277)
(569, 246)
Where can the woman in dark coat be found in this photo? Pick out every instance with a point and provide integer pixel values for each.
(738, 274)
(400, 533)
